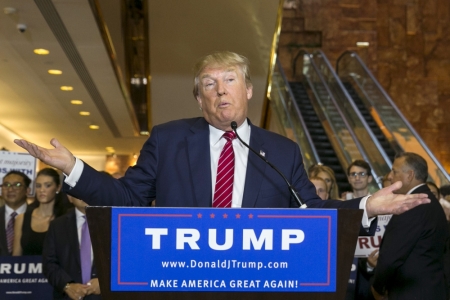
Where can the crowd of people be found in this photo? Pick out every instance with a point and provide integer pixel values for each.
(413, 259)
(183, 164)
(48, 225)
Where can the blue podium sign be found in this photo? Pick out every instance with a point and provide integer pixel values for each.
(223, 250)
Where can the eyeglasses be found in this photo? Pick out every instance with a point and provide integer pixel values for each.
(360, 174)
(15, 185)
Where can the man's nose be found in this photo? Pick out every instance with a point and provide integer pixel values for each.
(221, 90)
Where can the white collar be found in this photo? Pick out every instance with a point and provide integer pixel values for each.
(19, 211)
(411, 190)
(216, 134)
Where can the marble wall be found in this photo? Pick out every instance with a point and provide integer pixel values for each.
(409, 53)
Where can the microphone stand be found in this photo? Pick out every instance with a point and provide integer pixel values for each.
(291, 188)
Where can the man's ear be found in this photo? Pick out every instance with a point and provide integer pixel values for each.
(249, 92)
(199, 100)
(370, 179)
(411, 175)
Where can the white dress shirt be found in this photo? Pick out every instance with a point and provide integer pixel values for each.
(216, 143)
(9, 211)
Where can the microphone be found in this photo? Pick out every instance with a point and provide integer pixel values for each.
(291, 188)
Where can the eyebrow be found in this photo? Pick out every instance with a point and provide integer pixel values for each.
(229, 70)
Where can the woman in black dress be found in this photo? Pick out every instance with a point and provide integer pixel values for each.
(31, 227)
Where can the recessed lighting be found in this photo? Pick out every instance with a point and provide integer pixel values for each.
(144, 133)
(55, 72)
(362, 44)
(76, 102)
(66, 88)
(85, 113)
(94, 127)
(41, 51)
(110, 149)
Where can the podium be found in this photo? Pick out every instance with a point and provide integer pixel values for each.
(100, 222)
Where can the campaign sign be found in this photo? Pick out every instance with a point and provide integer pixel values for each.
(223, 250)
(367, 244)
(22, 162)
(21, 278)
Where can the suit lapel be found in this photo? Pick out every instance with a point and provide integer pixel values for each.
(73, 233)
(3, 243)
(255, 169)
(200, 163)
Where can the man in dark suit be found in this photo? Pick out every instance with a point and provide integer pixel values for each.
(179, 162)
(61, 257)
(15, 188)
(411, 260)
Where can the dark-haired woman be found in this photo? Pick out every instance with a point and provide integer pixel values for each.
(31, 227)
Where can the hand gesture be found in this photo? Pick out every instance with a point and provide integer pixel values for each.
(59, 157)
(385, 202)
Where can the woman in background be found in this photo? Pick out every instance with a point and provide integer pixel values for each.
(31, 227)
(327, 174)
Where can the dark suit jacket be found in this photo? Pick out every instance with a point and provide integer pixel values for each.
(410, 265)
(174, 168)
(61, 255)
(3, 242)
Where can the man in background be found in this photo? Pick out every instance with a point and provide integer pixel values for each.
(64, 261)
(411, 260)
(15, 188)
(359, 176)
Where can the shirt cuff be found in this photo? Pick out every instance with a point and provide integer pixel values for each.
(369, 268)
(75, 175)
(365, 219)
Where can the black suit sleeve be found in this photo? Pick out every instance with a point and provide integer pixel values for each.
(52, 268)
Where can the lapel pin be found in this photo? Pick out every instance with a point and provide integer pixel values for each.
(262, 153)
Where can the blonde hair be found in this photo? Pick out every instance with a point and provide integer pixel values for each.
(224, 59)
(314, 171)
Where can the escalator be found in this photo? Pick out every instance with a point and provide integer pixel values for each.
(339, 116)
(395, 132)
(387, 146)
(309, 114)
(320, 140)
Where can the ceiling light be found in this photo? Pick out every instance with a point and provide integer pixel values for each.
(9, 10)
(144, 133)
(41, 51)
(76, 102)
(85, 113)
(66, 88)
(55, 72)
(110, 149)
(94, 127)
(362, 44)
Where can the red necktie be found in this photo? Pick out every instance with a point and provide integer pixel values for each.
(223, 193)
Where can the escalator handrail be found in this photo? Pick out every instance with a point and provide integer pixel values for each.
(308, 136)
(356, 110)
(397, 110)
(350, 130)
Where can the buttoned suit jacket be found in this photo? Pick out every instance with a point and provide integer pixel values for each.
(61, 255)
(411, 261)
(174, 167)
(3, 243)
